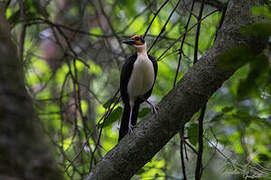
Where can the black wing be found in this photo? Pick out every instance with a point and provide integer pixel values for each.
(155, 67)
(125, 75)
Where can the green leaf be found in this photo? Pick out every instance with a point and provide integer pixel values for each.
(113, 117)
(193, 132)
(244, 89)
(255, 78)
(217, 117)
(261, 10)
(227, 109)
(143, 112)
(236, 57)
(140, 171)
(244, 117)
(257, 29)
(109, 102)
(94, 68)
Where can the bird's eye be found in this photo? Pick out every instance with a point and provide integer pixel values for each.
(136, 38)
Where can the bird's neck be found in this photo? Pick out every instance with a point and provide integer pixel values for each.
(141, 49)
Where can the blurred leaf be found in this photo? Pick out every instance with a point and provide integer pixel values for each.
(153, 168)
(227, 109)
(261, 10)
(34, 8)
(128, 6)
(257, 29)
(193, 132)
(156, 28)
(143, 112)
(84, 106)
(79, 65)
(94, 68)
(263, 157)
(95, 31)
(217, 117)
(109, 102)
(243, 116)
(66, 143)
(14, 17)
(114, 116)
(8, 13)
(250, 86)
(236, 57)
(140, 171)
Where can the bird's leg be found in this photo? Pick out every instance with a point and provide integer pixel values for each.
(153, 107)
(130, 126)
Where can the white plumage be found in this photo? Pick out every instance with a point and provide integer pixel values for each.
(142, 77)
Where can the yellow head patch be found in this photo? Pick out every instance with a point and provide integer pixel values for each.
(138, 39)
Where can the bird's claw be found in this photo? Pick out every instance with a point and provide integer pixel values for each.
(131, 127)
(154, 109)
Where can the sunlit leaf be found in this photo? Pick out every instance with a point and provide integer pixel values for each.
(8, 13)
(113, 117)
(94, 68)
(153, 168)
(84, 106)
(156, 28)
(109, 102)
(67, 142)
(261, 10)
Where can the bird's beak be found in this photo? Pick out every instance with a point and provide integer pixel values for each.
(129, 41)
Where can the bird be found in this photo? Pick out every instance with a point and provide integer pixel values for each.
(138, 75)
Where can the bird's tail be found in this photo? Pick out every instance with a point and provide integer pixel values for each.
(125, 119)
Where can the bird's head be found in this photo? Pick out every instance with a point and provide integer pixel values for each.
(137, 41)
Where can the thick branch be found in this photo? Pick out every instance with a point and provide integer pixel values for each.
(23, 152)
(214, 3)
(177, 108)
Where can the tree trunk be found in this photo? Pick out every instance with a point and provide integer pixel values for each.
(23, 151)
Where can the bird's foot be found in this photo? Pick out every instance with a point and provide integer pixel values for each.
(131, 127)
(154, 109)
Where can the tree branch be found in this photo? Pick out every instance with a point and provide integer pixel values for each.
(214, 3)
(188, 96)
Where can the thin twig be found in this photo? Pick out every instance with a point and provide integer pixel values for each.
(100, 133)
(182, 153)
(198, 171)
(155, 14)
(182, 43)
(164, 26)
(178, 39)
(198, 33)
(22, 32)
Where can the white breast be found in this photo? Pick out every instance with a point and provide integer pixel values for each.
(142, 77)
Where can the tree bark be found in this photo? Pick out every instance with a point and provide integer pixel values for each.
(23, 151)
(190, 94)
